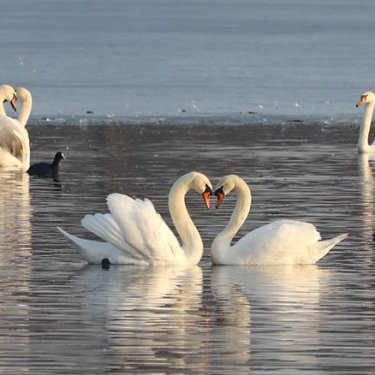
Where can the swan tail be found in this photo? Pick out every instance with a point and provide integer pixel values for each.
(323, 247)
(105, 227)
(94, 252)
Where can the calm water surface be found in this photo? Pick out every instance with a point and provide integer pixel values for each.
(60, 316)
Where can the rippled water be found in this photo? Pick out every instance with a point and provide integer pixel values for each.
(60, 316)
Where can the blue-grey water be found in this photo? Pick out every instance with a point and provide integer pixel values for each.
(149, 60)
(264, 89)
(60, 316)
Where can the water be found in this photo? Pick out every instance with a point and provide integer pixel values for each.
(264, 89)
(150, 60)
(61, 316)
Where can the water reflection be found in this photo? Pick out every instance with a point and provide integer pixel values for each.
(367, 191)
(15, 213)
(148, 312)
(266, 307)
(15, 251)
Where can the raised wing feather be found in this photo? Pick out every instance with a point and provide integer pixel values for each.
(136, 228)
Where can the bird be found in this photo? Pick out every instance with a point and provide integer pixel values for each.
(283, 242)
(134, 233)
(368, 99)
(44, 169)
(14, 138)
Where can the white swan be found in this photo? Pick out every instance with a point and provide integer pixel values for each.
(136, 234)
(14, 138)
(24, 96)
(281, 242)
(367, 98)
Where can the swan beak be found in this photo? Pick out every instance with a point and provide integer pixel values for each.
(13, 103)
(220, 196)
(361, 101)
(206, 196)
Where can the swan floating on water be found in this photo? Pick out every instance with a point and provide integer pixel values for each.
(14, 138)
(134, 233)
(367, 98)
(279, 243)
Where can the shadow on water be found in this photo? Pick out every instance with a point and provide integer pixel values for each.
(60, 316)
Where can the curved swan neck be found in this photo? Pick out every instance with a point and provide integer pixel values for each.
(363, 144)
(2, 109)
(25, 111)
(224, 238)
(191, 240)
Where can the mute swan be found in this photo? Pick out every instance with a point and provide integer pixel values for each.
(136, 234)
(44, 169)
(14, 138)
(281, 242)
(24, 96)
(367, 98)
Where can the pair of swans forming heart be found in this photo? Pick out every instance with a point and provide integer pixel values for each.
(134, 233)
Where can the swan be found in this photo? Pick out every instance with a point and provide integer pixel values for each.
(367, 98)
(281, 242)
(24, 96)
(14, 138)
(134, 233)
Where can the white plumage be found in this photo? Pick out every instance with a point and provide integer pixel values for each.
(14, 138)
(134, 233)
(281, 242)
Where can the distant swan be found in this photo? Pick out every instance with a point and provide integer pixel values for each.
(136, 234)
(14, 138)
(281, 242)
(367, 98)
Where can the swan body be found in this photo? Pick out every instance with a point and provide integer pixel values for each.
(134, 233)
(367, 99)
(283, 242)
(14, 138)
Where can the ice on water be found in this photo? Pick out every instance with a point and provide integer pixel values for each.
(161, 59)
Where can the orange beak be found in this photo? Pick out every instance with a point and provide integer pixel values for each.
(206, 196)
(13, 103)
(361, 101)
(220, 196)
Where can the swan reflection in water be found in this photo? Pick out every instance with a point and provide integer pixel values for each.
(151, 315)
(15, 250)
(15, 213)
(367, 190)
(262, 308)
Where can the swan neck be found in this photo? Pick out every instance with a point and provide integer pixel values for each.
(363, 144)
(25, 112)
(223, 240)
(191, 240)
(2, 110)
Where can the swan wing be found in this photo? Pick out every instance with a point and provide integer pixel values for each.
(281, 242)
(14, 140)
(134, 226)
(94, 251)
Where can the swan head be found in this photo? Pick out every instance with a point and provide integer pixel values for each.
(23, 94)
(366, 98)
(224, 187)
(202, 185)
(8, 94)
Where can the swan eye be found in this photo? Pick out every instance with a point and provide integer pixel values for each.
(364, 97)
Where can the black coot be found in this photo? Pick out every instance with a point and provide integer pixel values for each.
(46, 169)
